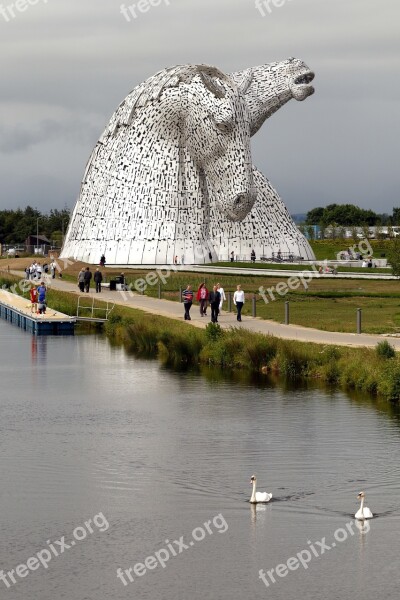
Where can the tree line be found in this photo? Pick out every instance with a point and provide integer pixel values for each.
(349, 215)
(17, 225)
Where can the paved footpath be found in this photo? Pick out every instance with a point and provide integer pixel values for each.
(174, 310)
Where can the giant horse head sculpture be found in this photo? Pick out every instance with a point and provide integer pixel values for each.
(209, 111)
(173, 170)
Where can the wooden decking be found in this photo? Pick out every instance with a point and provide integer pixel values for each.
(18, 311)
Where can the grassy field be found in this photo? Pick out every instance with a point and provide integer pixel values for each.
(327, 304)
(292, 267)
(328, 249)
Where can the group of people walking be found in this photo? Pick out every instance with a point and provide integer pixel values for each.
(35, 270)
(85, 277)
(214, 298)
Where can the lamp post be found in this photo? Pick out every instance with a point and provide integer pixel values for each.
(37, 236)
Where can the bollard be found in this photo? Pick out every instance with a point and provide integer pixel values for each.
(359, 313)
(229, 301)
(159, 290)
(287, 312)
(180, 294)
(254, 306)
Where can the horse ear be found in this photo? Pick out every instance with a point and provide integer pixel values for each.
(245, 82)
(212, 84)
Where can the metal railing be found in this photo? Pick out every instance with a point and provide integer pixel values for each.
(94, 310)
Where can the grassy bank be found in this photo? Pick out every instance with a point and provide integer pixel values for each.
(372, 371)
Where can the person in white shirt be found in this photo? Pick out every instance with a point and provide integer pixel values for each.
(223, 297)
(238, 300)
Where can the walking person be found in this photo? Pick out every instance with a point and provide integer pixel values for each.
(253, 256)
(223, 297)
(215, 299)
(87, 276)
(187, 296)
(81, 280)
(98, 278)
(202, 297)
(238, 301)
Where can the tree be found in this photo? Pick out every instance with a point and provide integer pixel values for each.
(379, 232)
(396, 216)
(354, 234)
(314, 216)
(365, 230)
(393, 254)
(311, 233)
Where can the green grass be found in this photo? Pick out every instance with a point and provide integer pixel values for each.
(329, 249)
(375, 372)
(327, 304)
(295, 267)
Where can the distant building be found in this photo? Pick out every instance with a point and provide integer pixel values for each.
(40, 241)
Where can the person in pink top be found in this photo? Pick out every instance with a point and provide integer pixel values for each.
(202, 297)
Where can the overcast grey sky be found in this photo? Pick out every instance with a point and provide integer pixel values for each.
(67, 64)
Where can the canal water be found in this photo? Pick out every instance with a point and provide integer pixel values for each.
(113, 462)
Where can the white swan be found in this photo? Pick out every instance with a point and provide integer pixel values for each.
(258, 496)
(363, 512)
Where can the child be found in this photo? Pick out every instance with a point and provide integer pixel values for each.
(34, 297)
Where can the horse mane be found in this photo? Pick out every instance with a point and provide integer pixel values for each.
(150, 91)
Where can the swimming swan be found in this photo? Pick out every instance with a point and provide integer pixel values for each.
(363, 512)
(258, 496)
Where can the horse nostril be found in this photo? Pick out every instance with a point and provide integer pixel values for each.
(239, 200)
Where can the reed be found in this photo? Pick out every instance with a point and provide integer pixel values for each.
(374, 371)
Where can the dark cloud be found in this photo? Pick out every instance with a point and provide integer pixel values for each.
(67, 64)
(20, 139)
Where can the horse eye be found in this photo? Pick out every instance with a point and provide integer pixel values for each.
(223, 127)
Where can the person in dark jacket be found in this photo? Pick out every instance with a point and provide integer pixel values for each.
(187, 297)
(98, 278)
(87, 278)
(214, 299)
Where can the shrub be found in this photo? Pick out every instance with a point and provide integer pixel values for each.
(261, 350)
(389, 381)
(385, 350)
(213, 331)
